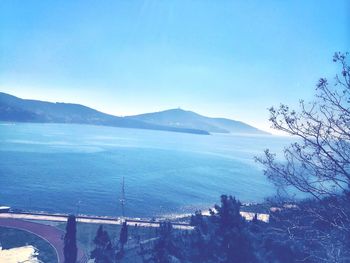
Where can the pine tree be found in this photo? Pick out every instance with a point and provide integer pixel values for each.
(104, 251)
(123, 238)
(230, 241)
(70, 241)
(164, 248)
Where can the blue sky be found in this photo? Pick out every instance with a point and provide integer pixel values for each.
(219, 58)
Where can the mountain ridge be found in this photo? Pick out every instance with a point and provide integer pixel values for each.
(15, 109)
(184, 118)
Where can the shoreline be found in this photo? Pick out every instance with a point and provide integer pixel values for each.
(178, 220)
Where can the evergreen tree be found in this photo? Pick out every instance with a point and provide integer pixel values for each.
(200, 250)
(230, 239)
(103, 252)
(123, 238)
(221, 237)
(165, 250)
(70, 249)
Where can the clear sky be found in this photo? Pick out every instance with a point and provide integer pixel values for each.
(219, 58)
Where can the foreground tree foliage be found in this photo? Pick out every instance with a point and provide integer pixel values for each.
(318, 164)
(224, 235)
(165, 247)
(221, 237)
(313, 238)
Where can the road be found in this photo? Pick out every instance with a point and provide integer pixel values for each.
(52, 235)
(89, 219)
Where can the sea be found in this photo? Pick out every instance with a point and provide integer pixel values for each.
(71, 168)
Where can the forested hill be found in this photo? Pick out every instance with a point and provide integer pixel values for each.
(188, 119)
(14, 109)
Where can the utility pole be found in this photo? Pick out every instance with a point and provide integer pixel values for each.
(122, 199)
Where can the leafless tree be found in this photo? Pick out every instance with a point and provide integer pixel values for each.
(318, 163)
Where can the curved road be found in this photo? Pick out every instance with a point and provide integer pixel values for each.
(51, 234)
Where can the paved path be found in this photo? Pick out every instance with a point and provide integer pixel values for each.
(51, 234)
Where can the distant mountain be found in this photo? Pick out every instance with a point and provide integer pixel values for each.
(14, 109)
(20, 110)
(187, 119)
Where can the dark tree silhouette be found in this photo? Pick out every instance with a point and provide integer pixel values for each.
(104, 251)
(165, 250)
(231, 241)
(221, 237)
(123, 238)
(70, 241)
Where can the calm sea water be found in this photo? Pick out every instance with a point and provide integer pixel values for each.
(65, 168)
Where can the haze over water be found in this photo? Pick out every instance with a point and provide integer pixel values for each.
(51, 167)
